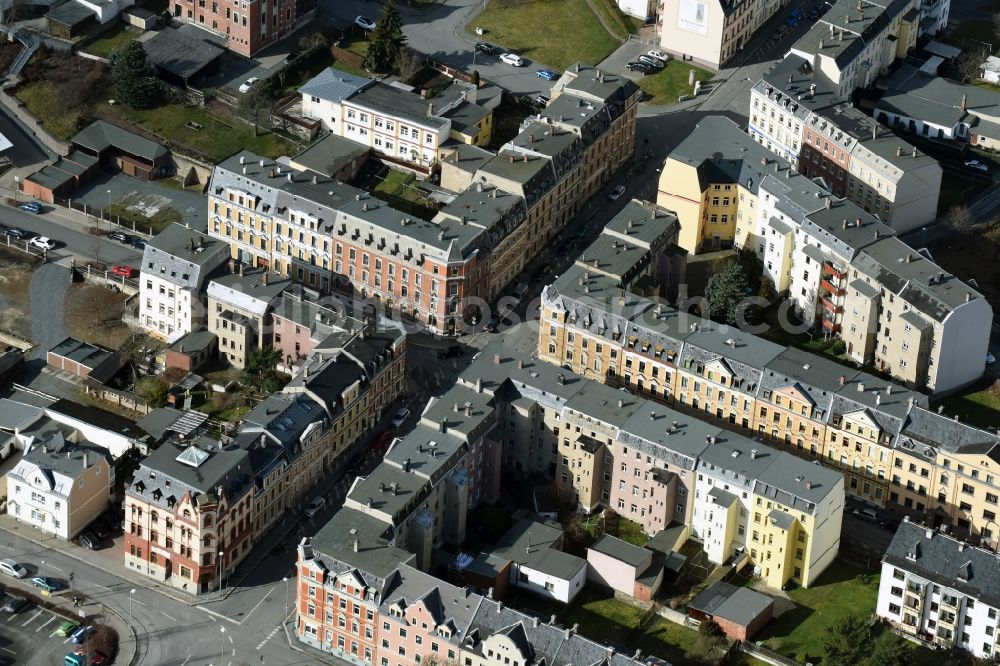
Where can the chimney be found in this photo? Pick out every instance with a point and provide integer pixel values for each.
(468, 410)
(357, 545)
(520, 364)
(552, 619)
(263, 278)
(861, 387)
(444, 426)
(829, 203)
(820, 46)
(534, 621)
(899, 151)
(621, 403)
(845, 224)
(524, 159)
(489, 593)
(753, 454)
(560, 379)
(809, 485)
(496, 359)
(479, 384)
(430, 109)
(964, 104)
(843, 380)
(406, 465)
(315, 179)
(289, 178)
(857, 221)
(968, 296)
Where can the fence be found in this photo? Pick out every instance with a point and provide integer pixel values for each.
(99, 216)
(449, 71)
(767, 654)
(125, 399)
(125, 285)
(22, 246)
(14, 341)
(14, 105)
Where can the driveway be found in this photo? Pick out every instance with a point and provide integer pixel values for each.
(439, 32)
(29, 637)
(49, 283)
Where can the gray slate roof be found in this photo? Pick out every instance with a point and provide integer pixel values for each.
(334, 85)
(100, 135)
(169, 256)
(739, 605)
(624, 551)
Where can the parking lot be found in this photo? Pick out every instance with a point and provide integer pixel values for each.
(30, 637)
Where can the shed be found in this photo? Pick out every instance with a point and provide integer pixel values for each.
(625, 567)
(70, 19)
(135, 155)
(739, 611)
(183, 54)
(85, 360)
(192, 351)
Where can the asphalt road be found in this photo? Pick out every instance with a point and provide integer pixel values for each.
(439, 32)
(71, 239)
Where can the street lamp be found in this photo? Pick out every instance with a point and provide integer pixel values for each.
(17, 186)
(222, 645)
(285, 581)
(131, 595)
(221, 554)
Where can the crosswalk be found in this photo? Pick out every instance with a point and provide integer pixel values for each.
(269, 637)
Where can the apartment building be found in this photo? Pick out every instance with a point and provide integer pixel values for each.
(177, 265)
(59, 486)
(364, 603)
(711, 33)
(823, 136)
(940, 590)
(396, 123)
(931, 106)
(854, 42)
(239, 312)
(246, 28)
(815, 246)
(329, 236)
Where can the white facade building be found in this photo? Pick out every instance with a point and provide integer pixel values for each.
(176, 266)
(941, 590)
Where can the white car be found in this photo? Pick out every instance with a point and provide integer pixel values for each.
(13, 568)
(400, 417)
(617, 193)
(43, 243)
(314, 507)
(512, 59)
(364, 23)
(248, 84)
(659, 55)
(976, 164)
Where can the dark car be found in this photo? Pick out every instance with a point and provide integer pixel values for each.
(649, 60)
(567, 246)
(89, 541)
(541, 100)
(120, 236)
(14, 232)
(290, 57)
(16, 605)
(541, 272)
(80, 636)
(814, 13)
(138, 243)
(639, 67)
(454, 351)
(31, 207)
(99, 528)
(487, 48)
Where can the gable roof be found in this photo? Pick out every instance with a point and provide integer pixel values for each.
(99, 135)
(334, 85)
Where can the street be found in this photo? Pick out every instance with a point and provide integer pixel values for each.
(71, 239)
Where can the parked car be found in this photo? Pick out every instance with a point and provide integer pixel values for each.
(400, 417)
(794, 17)
(246, 85)
(814, 13)
(652, 62)
(31, 207)
(81, 658)
(99, 528)
(520, 291)
(381, 440)
(547, 74)
(660, 62)
(16, 605)
(976, 164)
(80, 636)
(138, 244)
(315, 506)
(453, 351)
(541, 100)
(46, 583)
(512, 59)
(89, 541)
(364, 22)
(67, 628)
(120, 236)
(779, 33)
(121, 270)
(14, 232)
(12, 568)
(290, 57)
(566, 247)
(867, 514)
(487, 48)
(43, 243)
(541, 272)
(617, 193)
(640, 67)
(659, 55)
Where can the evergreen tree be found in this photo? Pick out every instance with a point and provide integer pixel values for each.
(847, 642)
(724, 292)
(135, 79)
(386, 40)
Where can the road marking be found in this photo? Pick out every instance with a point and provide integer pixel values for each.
(32, 618)
(45, 624)
(105, 587)
(139, 602)
(7, 651)
(266, 595)
(52, 566)
(186, 660)
(168, 616)
(269, 637)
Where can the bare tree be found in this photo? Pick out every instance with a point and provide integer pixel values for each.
(256, 104)
(409, 63)
(959, 219)
(969, 67)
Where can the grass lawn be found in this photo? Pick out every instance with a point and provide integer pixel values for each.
(43, 103)
(556, 33)
(112, 40)
(671, 82)
(132, 209)
(217, 139)
(798, 633)
(979, 406)
(621, 23)
(956, 190)
(976, 29)
(399, 189)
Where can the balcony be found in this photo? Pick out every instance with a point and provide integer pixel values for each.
(831, 307)
(833, 272)
(949, 601)
(829, 325)
(828, 287)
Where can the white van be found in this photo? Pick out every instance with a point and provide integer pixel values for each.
(12, 568)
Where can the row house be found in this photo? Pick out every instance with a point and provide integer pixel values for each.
(820, 134)
(357, 603)
(712, 33)
(856, 41)
(813, 407)
(239, 312)
(940, 590)
(329, 236)
(246, 27)
(841, 267)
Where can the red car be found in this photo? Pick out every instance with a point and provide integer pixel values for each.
(381, 440)
(121, 270)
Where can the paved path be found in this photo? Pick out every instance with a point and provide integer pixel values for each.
(49, 283)
(600, 17)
